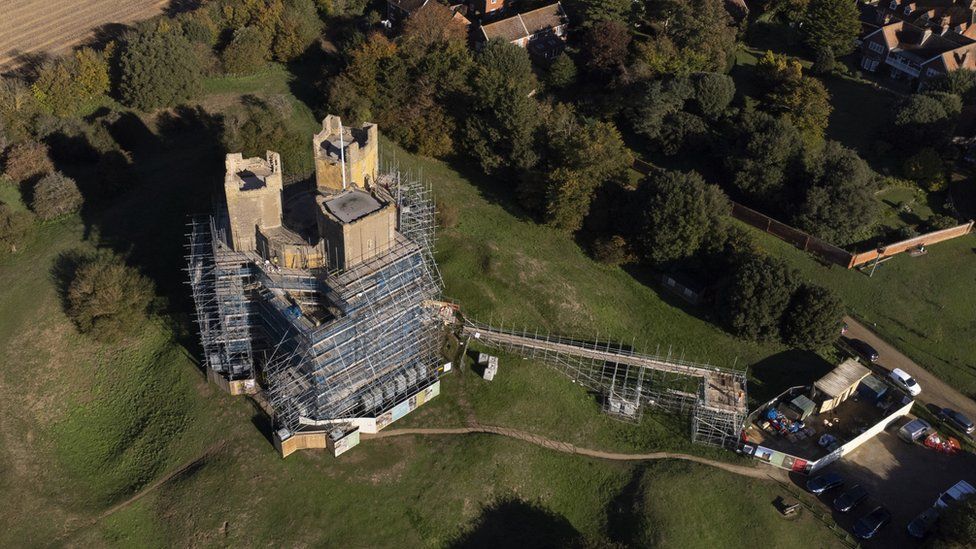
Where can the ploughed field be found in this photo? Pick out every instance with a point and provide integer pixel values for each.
(33, 27)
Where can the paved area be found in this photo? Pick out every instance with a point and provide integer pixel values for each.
(905, 478)
(934, 390)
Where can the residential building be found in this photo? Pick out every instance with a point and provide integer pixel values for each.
(542, 31)
(949, 18)
(916, 54)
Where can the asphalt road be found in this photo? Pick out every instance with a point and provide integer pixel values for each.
(934, 390)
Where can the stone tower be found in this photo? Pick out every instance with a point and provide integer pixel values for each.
(361, 155)
(253, 190)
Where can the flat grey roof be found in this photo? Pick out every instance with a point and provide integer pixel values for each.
(351, 204)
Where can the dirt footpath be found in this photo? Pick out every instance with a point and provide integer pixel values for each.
(934, 390)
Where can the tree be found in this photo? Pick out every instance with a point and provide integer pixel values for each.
(108, 299)
(18, 109)
(247, 53)
(57, 88)
(258, 128)
(961, 82)
(502, 119)
(604, 48)
(840, 201)
(612, 251)
(762, 154)
(701, 33)
(756, 294)
(659, 99)
(433, 23)
(926, 168)
(803, 99)
(939, 222)
(297, 28)
(562, 72)
(591, 12)
(25, 160)
(14, 226)
(927, 120)
(713, 93)
(813, 318)
(678, 210)
(957, 525)
(56, 195)
(158, 68)
(91, 73)
(832, 24)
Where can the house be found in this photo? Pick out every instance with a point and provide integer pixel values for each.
(487, 7)
(909, 52)
(542, 31)
(398, 10)
(949, 18)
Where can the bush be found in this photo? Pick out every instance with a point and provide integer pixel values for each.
(755, 297)
(612, 251)
(159, 68)
(926, 168)
(14, 226)
(939, 222)
(25, 160)
(562, 72)
(247, 53)
(107, 298)
(56, 195)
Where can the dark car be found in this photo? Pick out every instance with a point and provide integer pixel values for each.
(863, 349)
(868, 525)
(821, 484)
(957, 420)
(921, 525)
(850, 498)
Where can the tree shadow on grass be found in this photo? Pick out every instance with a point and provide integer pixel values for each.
(63, 272)
(512, 522)
(625, 512)
(786, 369)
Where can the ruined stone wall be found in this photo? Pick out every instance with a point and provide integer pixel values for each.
(252, 187)
(362, 156)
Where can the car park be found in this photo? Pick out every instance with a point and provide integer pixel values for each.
(867, 526)
(863, 349)
(959, 491)
(921, 525)
(904, 380)
(824, 483)
(850, 499)
(914, 430)
(957, 420)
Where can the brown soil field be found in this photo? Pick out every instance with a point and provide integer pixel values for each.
(46, 27)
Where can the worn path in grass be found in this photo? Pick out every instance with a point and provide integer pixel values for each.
(753, 472)
(934, 390)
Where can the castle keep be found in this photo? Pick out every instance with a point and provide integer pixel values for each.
(320, 289)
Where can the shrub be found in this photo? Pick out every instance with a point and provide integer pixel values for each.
(247, 53)
(56, 195)
(107, 299)
(938, 222)
(14, 226)
(25, 160)
(562, 72)
(612, 251)
(926, 168)
(755, 297)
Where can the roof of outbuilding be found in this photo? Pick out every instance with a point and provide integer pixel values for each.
(524, 25)
(843, 377)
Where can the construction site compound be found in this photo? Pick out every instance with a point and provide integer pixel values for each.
(323, 300)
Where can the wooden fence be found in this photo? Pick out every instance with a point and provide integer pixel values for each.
(912, 243)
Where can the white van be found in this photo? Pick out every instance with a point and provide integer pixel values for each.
(958, 492)
(905, 381)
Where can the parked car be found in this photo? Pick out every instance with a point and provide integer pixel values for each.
(905, 381)
(921, 525)
(957, 492)
(823, 483)
(914, 430)
(851, 498)
(868, 525)
(957, 420)
(863, 349)
(843, 328)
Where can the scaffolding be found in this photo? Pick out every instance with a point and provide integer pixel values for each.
(328, 344)
(626, 380)
(223, 314)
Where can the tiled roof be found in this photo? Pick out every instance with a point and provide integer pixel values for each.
(409, 6)
(525, 25)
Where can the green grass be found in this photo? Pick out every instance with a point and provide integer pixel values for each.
(923, 306)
